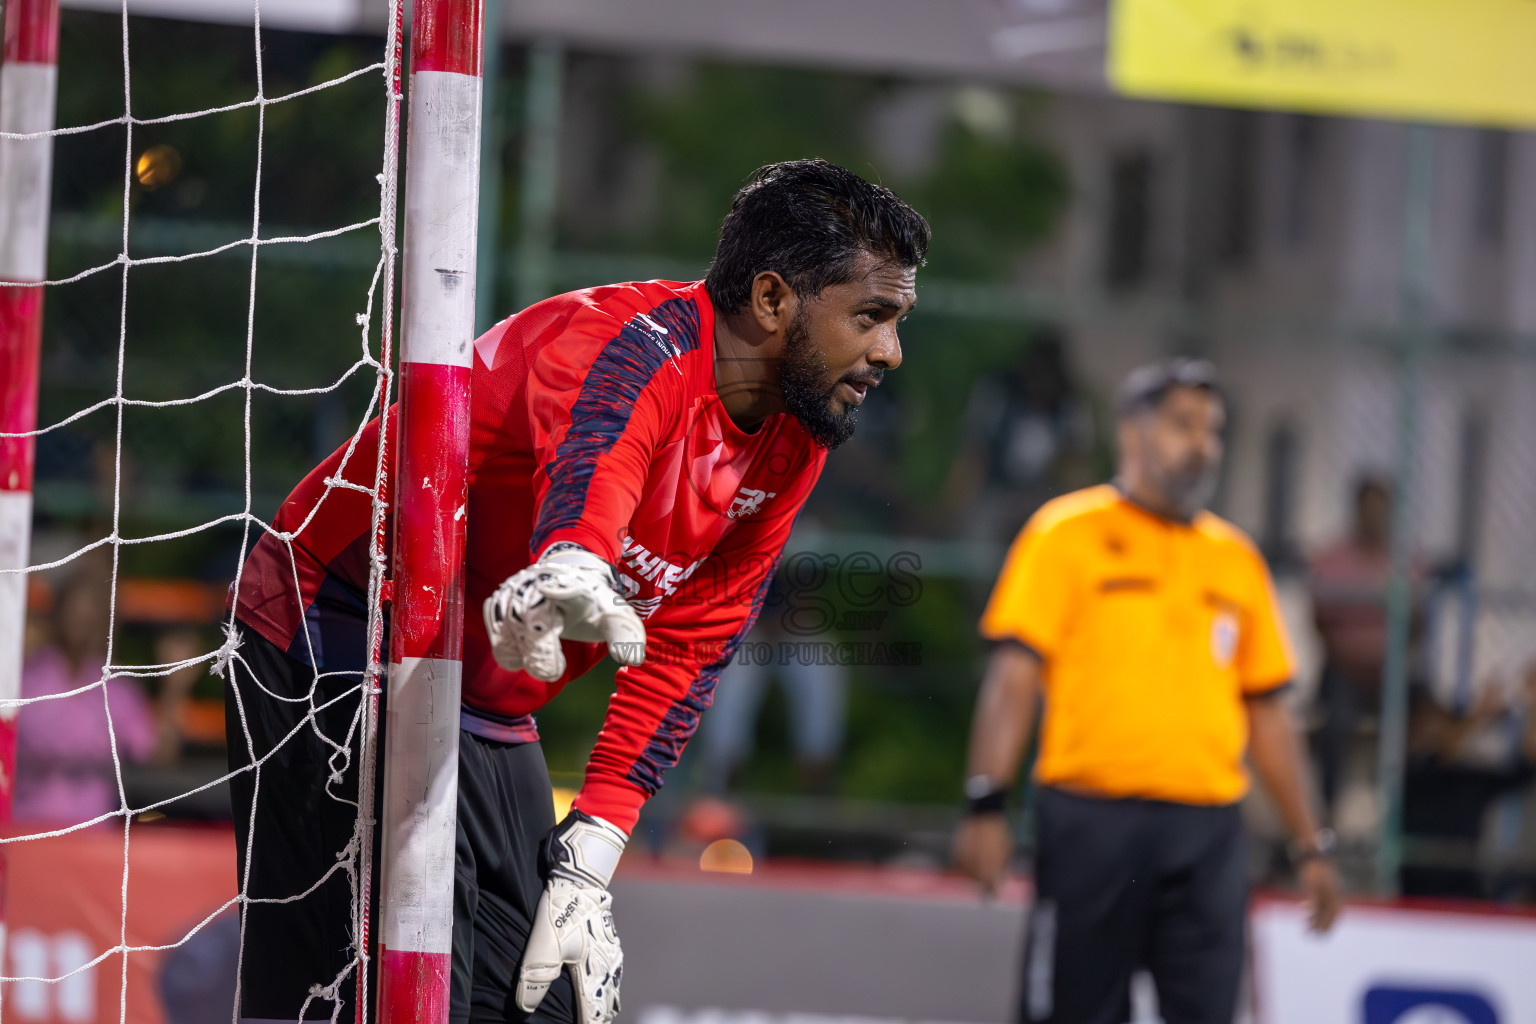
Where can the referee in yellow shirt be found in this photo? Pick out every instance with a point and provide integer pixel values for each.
(1147, 628)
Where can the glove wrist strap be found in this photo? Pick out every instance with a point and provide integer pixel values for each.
(573, 555)
(570, 553)
(585, 849)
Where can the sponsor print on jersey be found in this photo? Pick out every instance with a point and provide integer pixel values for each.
(641, 564)
(1224, 636)
(659, 335)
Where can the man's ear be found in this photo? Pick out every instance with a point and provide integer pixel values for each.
(1128, 440)
(773, 301)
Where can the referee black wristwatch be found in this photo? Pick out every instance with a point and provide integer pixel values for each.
(1320, 847)
(984, 795)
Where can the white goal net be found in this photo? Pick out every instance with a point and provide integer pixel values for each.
(151, 314)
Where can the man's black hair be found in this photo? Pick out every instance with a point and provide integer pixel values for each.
(809, 220)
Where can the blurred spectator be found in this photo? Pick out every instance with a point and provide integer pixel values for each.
(1447, 791)
(816, 694)
(37, 631)
(1030, 437)
(1348, 581)
(197, 977)
(178, 644)
(64, 765)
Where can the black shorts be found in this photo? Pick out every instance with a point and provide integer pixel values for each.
(298, 960)
(1128, 884)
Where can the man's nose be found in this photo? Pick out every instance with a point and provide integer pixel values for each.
(886, 352)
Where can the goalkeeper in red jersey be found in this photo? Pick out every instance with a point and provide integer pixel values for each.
(638, 455)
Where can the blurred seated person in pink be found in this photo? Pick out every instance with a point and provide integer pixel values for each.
(64, 769)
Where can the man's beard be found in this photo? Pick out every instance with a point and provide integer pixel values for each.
(1190, 487)
(807, 389)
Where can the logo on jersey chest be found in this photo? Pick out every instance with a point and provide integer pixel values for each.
(1224, 636)
(747, 502)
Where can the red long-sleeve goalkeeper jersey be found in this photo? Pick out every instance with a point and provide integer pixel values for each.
(595, 419)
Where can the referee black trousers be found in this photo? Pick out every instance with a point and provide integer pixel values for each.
(1128, 884)
(295, 822)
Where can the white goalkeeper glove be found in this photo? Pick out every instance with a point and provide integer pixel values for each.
(569, 593)
(574, 923)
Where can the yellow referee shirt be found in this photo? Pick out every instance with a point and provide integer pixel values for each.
(1152, 633)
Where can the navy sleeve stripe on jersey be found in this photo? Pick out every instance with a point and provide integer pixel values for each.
(624, 367)
(682, 718)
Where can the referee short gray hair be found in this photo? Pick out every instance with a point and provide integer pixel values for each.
(1145, 387)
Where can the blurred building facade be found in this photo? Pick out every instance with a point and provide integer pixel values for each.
(1273, 244)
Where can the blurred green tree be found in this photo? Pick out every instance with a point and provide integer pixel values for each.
(989, 185)
(190, 187)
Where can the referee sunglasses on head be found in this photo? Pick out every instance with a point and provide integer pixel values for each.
(1147, 628)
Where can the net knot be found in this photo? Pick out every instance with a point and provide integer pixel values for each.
(226, 652)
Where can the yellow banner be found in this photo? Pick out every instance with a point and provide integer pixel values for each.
(1428, 60)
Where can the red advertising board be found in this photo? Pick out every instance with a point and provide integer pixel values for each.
(786, 944)
(66, 909)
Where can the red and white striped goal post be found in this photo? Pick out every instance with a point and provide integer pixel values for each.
(421, 735)
(28, 86)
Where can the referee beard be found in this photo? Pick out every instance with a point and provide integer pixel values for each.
(1147, 629)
